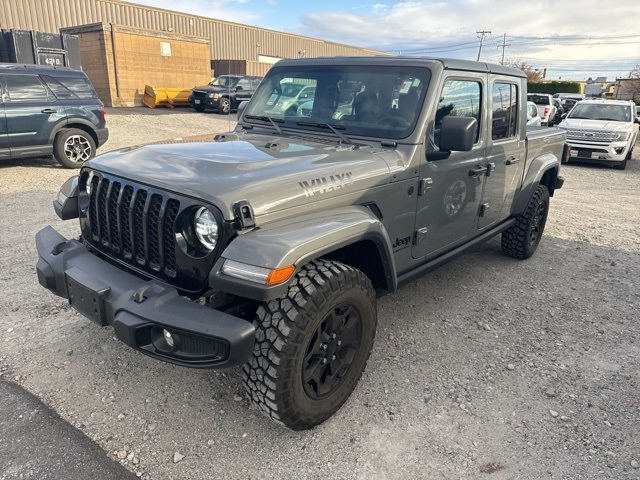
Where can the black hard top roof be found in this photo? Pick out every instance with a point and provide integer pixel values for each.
(446, 63)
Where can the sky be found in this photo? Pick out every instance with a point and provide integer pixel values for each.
(571, 39)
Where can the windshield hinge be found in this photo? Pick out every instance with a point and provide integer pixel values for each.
(244, 214)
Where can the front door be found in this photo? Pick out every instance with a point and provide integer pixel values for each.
(505, 154)
(5, 152)
(32, 113)
(243, 91)
(450, 192)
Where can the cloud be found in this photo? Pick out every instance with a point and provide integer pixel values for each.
(426, 24)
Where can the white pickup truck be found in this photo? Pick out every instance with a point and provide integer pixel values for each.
(546, 108)
(602, 131)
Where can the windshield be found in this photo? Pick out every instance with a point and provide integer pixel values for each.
(224, 81)
(357, 100)
(601, 111)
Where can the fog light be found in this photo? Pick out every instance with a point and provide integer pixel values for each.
(619, 150)
(168, 338)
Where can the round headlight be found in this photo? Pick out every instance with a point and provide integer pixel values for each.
(206, 228)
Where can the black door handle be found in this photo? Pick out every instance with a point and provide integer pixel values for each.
(49, 111)
(477, 170)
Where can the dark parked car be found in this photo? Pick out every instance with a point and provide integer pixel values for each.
(224, 94)
(559, 111)
(568, 104)
(49, 110)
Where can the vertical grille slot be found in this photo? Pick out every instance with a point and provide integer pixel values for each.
(153, 231)
(103, 225)
(170, 216)
(112, 213)
(93, 208)
(125, 212)
(137, 225)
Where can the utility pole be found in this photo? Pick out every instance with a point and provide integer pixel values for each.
(481, 35)
(504, 45)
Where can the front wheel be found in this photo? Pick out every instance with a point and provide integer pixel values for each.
(521, 239)
(225, 106)
(72, 147)
(312, 345)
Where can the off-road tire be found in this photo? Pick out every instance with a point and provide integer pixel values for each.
(294, 332)
(72, 147)
(521, 239)
(225, 106)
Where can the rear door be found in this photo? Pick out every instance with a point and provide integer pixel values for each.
(506, 151)
(32, 114)
(5, 152)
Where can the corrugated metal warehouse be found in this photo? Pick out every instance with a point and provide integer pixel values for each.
(259, 47)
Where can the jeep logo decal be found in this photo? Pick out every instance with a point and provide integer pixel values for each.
(401, 243)
(326, 184)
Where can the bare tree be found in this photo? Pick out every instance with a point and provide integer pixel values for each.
(533, 74)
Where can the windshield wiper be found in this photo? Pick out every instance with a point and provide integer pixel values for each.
(267, 119)
(333, 128)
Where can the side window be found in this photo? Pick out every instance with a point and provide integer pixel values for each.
(461, 98)
(504, 111)
(243, 84)
(70, 87)
(254, 83)
(26, 88)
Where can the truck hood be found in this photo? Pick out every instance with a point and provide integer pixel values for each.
(272, 173)
(585, 124)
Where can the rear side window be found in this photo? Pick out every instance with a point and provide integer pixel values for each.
(460, 98)
(26, 88)
(70, 87)
(504, 110)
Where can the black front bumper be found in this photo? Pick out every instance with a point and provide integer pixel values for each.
(141, 311)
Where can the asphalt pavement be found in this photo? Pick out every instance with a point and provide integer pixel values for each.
(36, 443)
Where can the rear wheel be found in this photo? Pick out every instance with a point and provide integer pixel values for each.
(521, 240)
(72, 147)
(312, 345)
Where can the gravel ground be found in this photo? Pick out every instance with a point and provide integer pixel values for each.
(487, 368)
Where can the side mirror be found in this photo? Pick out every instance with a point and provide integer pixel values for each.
(637, 120)
(564, 115)
(457, 134)
(241, 107)
(238, 88)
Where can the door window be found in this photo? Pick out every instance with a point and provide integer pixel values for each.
(243, 84)
(504, 111)
(25, 88)
(460, 98)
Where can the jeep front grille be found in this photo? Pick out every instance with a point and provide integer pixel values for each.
(134, 225)
(144, 228)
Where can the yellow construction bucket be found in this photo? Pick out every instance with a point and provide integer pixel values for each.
(165, 97)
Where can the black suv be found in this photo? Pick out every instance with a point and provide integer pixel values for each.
(49, 110)
(224, 93)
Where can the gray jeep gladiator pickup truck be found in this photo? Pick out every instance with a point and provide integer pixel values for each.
(267, 246)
